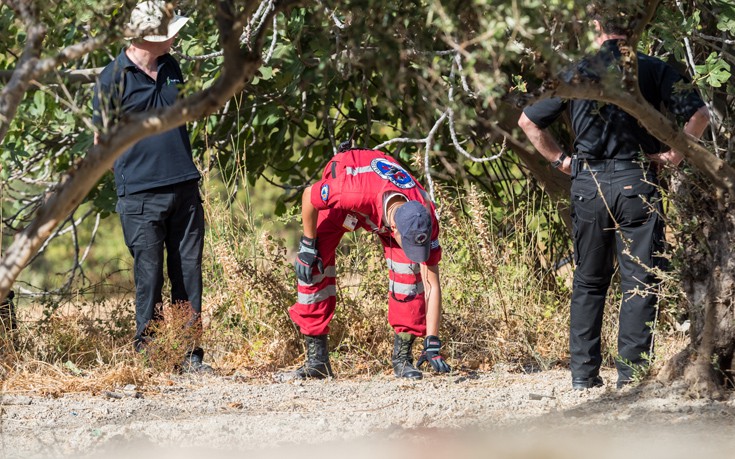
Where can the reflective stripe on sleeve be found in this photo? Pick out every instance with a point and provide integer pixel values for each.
(358, 170)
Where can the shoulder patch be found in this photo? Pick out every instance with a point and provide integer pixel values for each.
(324, 192)
(392, 172)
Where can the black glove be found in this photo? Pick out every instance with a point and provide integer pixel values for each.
(432, 347)
(307, 258)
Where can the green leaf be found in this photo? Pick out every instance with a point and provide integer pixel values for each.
(266, 73)
(714, 72)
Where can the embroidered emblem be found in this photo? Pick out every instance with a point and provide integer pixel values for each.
(325, 192)
(421, 238)
(393, 173)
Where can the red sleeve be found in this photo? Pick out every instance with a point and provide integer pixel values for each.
(321, 192)
(435, 256)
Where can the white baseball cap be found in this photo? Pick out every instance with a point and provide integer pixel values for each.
(149, 15)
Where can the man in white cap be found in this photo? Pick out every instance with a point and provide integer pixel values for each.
(156, 180)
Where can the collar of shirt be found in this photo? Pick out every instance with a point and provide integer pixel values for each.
(386, 198)
(124, 61)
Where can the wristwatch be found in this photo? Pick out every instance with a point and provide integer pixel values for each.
(557, 164)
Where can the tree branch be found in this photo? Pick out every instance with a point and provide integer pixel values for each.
(632, 101)
(12, 93)
(238, 69)
(646, 16)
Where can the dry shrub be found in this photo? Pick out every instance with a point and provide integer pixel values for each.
(84, 335)
(499, 304)
(55, 380)
(502, 303)
(249, 287)
(72, 348)
(361, 339)
(175, 334)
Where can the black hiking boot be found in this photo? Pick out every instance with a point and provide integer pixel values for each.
(317, 361)
(194, 363)
(587, 383)
(402, 357)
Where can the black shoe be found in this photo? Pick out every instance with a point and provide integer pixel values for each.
(317, 361)
(587, 383)
(194, 364)
(402, 358)
(309, 371)
(622, 383)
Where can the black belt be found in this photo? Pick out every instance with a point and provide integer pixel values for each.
(610, 165)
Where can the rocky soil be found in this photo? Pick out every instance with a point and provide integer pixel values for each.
(484, 414)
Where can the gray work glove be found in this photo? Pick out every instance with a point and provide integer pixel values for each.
(307, 258)
(432, 347)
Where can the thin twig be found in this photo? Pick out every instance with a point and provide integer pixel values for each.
(273, 42)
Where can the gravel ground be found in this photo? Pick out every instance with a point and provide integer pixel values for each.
(484, 414)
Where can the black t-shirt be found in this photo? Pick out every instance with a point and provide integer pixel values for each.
(605, 131)
(159, 160)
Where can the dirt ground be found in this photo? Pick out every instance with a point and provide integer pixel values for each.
(484, 414)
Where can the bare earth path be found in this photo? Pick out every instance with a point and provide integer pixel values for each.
(492, 414)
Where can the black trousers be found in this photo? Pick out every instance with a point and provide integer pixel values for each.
(616, 213)
(170, 217)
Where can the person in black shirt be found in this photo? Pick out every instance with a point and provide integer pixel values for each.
(156, 179)
(616, 208)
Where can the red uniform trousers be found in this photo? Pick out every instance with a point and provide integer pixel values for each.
(316, 301)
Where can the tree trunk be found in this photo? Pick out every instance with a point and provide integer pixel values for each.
(707, 243)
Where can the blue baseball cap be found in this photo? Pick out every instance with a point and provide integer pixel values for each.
(413, 222)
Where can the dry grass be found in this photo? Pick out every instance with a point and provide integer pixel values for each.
(502, 303)
(55, 380)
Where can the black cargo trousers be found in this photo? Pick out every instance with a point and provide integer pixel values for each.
(171, 217)
(616, 213)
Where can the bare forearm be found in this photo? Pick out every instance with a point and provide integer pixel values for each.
(541, 140)
(545, 144)
(697, 123)
(695, 127)
(309, 214)
(433, 294)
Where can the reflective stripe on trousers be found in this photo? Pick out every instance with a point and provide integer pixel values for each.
(322, 287)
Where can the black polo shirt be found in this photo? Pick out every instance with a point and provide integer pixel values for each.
(159, 160)
(605, 131)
